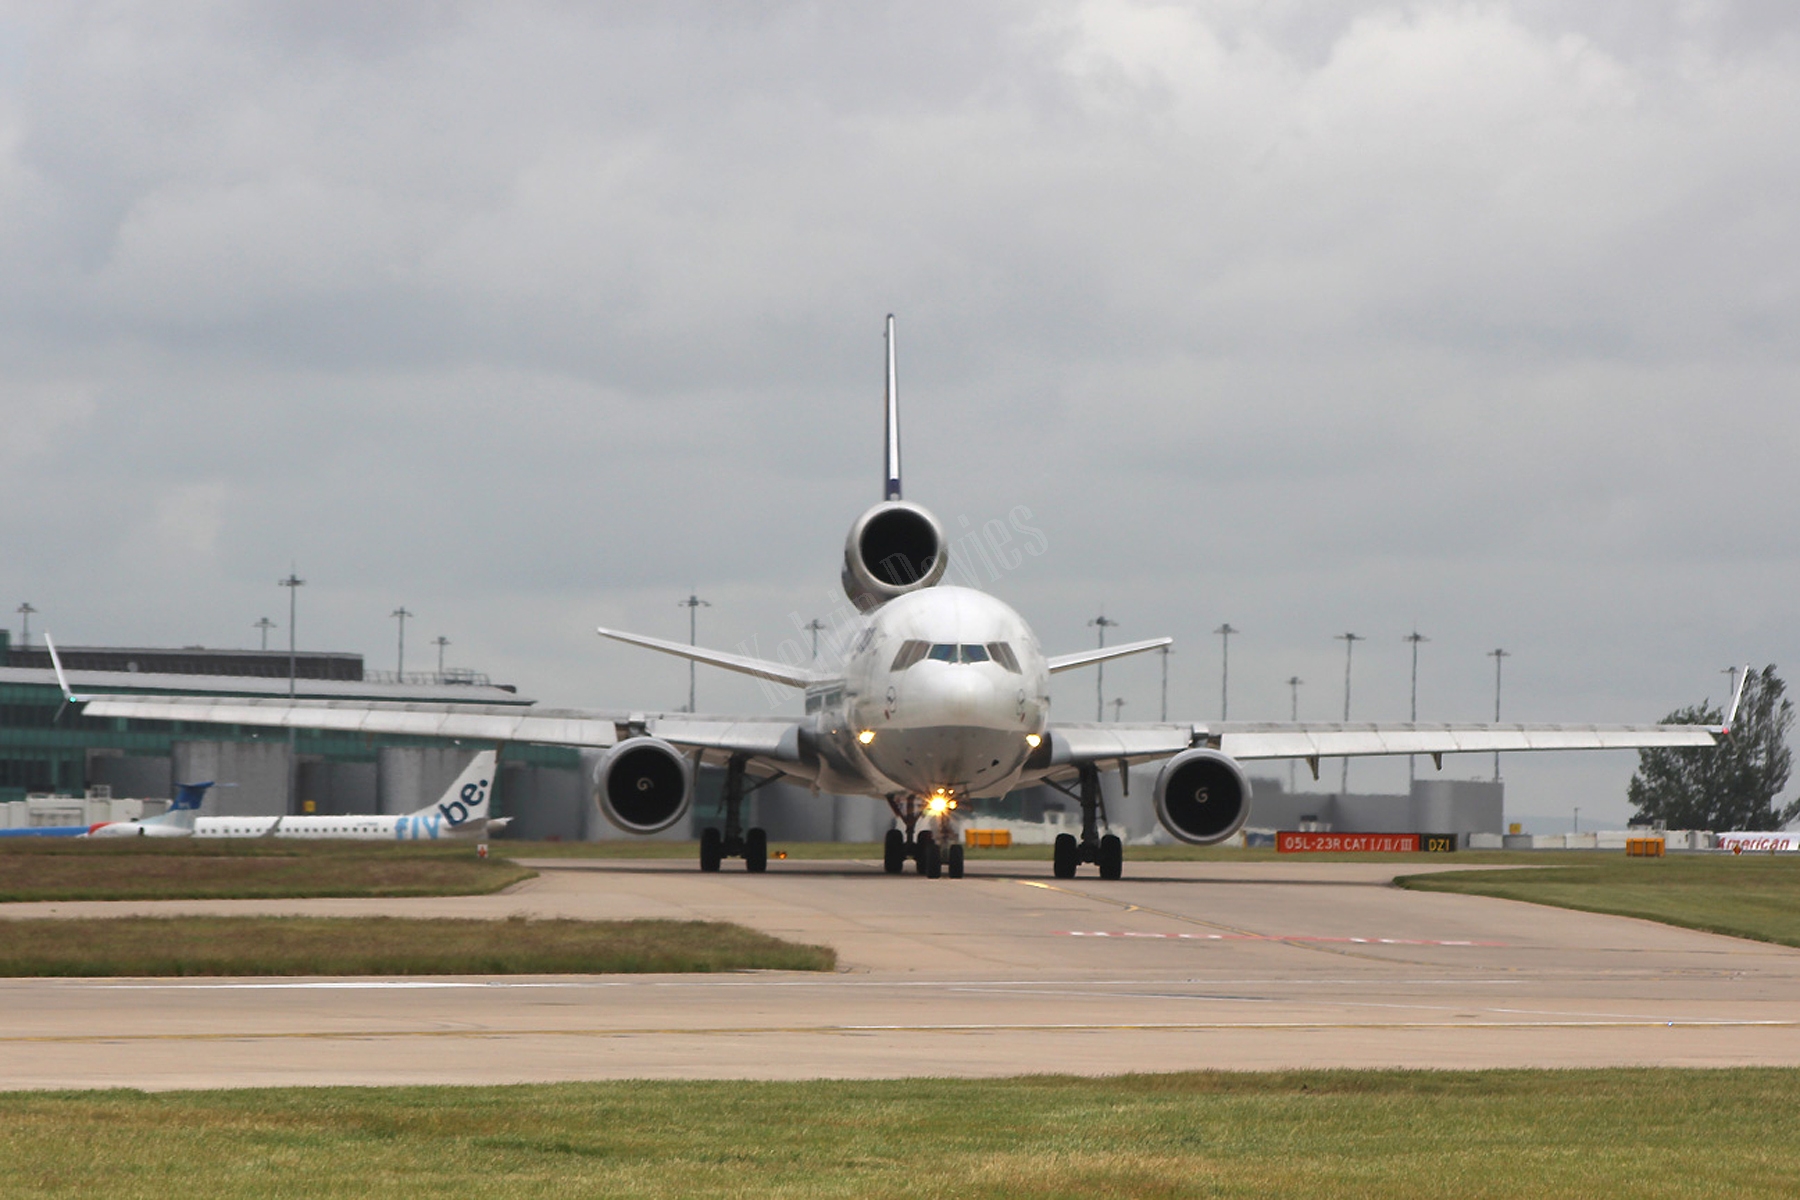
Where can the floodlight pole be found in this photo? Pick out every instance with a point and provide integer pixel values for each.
(1225, 631)
(693, 604)
(400, 657)
(1294, 682)
(1118, 702)
(1165, 683)
(293, 583)
(1101, 623)
(1349, 640)
(440, 641)
(25, 610)
(1499, 656)
(265, 625)
(1415, 637)
(815, 625)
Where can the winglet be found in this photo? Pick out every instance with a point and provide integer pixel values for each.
(62, 679)
(1736, 699)
(891, 489)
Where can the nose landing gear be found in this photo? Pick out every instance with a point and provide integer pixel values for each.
(936, 853)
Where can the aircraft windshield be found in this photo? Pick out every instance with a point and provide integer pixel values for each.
(953, 652)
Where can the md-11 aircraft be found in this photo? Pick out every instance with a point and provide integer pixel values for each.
(943, 698)
(462, 811)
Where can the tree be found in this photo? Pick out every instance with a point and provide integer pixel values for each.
(1733, 785)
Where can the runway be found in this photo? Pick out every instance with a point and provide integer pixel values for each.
(1178, 966)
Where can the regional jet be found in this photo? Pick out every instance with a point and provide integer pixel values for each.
(943, 699)
(462, 811)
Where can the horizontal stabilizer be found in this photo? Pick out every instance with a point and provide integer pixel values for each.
(1068, 662)
(760, 668)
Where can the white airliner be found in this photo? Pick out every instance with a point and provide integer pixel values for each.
(944, 697)
(462, 811)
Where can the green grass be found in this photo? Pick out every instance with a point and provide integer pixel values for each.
(1749, 896)
(1499, 1134)
(390, 946)
(244, 868)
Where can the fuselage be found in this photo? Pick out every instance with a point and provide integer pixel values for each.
(945, 693)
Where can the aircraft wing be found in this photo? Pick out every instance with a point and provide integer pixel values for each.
(772, 738)
(1109, 743)
(1248, 740)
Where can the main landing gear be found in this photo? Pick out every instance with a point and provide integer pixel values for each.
(751, 845)
(936, 853)
(1108, 853)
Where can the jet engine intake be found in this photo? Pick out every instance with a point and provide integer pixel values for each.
(1202, 796)
(894, 548)
(644, 785)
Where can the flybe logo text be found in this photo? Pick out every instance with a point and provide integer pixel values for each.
(472, 801)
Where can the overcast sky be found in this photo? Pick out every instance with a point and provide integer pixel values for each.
(1474, 318)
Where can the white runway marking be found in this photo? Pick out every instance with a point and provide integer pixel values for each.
(1274, 937)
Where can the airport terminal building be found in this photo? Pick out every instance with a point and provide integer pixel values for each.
(47, 746)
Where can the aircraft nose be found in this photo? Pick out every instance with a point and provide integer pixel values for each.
(967, 697)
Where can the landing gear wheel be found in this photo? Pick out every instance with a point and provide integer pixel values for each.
(712, 849)
(931, 859)
(893, 852)
(756, 851)
(1066, 856)
(1112, 857)
(953, 862)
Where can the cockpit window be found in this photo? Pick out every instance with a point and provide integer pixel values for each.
(952, 652)
(911, 651)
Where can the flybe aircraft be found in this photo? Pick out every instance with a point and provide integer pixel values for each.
(462, 811)
(943, 698)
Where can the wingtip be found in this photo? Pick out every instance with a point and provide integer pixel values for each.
(1737, 698)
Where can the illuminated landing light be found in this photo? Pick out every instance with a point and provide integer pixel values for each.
(939, 804)
(866, 736)
(1033, 740)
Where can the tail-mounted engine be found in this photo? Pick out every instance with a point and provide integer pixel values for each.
(1202, 796)
(644, 785)
(894, 548)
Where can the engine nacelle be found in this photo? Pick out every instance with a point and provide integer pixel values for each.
(1202, 797)
(644, 785)
(894, 548)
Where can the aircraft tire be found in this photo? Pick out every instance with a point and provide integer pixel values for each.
(712, 849)
(1112, 857)
(756, 851)
(954, 862)
(920, 846)
(893, 852)
(1066, 855)
(931, 859)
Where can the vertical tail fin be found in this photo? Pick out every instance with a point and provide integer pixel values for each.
(466, 799)
(189, 796)
(892, 488)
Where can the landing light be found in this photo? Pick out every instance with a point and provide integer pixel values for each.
(1033, 740)
(866, 736)
(937, 806)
